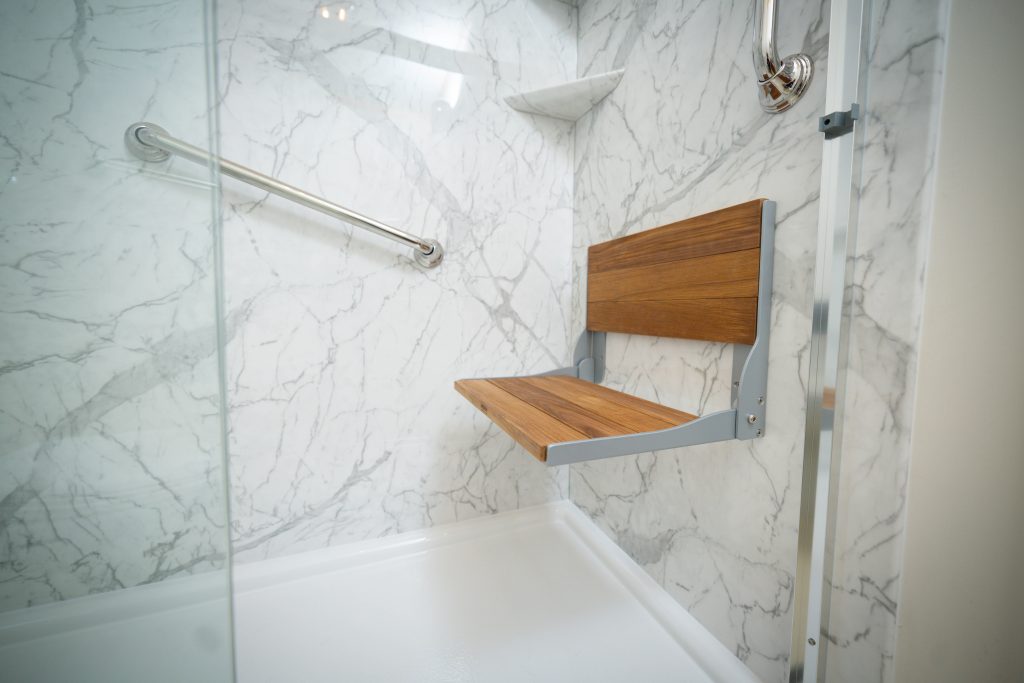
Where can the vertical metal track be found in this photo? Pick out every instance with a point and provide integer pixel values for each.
(220, 313)
(836, 225)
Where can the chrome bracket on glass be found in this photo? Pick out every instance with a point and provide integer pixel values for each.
(839, 123)
(150, 142)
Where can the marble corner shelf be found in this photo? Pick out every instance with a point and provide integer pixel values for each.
(707, 278)
(567, 101)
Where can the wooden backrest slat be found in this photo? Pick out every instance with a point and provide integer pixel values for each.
(695, 279)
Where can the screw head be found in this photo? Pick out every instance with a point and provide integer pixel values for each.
(812, 641)
(751, 419)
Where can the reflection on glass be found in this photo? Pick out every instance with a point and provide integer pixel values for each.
(113, 535)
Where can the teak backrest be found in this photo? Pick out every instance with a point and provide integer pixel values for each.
(694, 279)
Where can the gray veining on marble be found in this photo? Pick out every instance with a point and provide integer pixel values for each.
(344, 423)
(111, 469)
(885, 296)
(716, 525)
(341, 354)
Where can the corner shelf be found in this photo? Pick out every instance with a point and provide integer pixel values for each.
(707, 278)
(567, 101)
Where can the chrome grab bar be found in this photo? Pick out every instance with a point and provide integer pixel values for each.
(780, 82)
(150, 142)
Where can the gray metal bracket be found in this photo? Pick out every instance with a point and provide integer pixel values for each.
(745, 420)
(752, 393)
(739, 360)
(587, 358)
(720, 426)
(839, 123)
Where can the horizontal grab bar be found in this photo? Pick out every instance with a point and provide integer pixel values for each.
(150, 142)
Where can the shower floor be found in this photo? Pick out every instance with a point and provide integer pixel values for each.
(535, 595)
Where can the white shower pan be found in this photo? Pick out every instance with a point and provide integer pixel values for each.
(535, 595)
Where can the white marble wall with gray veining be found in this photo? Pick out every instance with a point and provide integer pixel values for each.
(343, 421)
(341, 353)
(681, 135)
(885, 294)
(111, 468)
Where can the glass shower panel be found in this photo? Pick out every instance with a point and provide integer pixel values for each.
(876, 194)
(113, 513)
(883, 288)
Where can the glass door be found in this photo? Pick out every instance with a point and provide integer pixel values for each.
(885, 66)
(114, 562)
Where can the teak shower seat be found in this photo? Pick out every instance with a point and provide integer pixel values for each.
(707, 278)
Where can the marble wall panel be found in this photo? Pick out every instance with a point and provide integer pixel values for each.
(885, 299)
(111, 461)
(682, 134)
(343, 420)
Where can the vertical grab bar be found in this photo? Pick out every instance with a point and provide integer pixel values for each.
(780, 82)
(150, 142)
